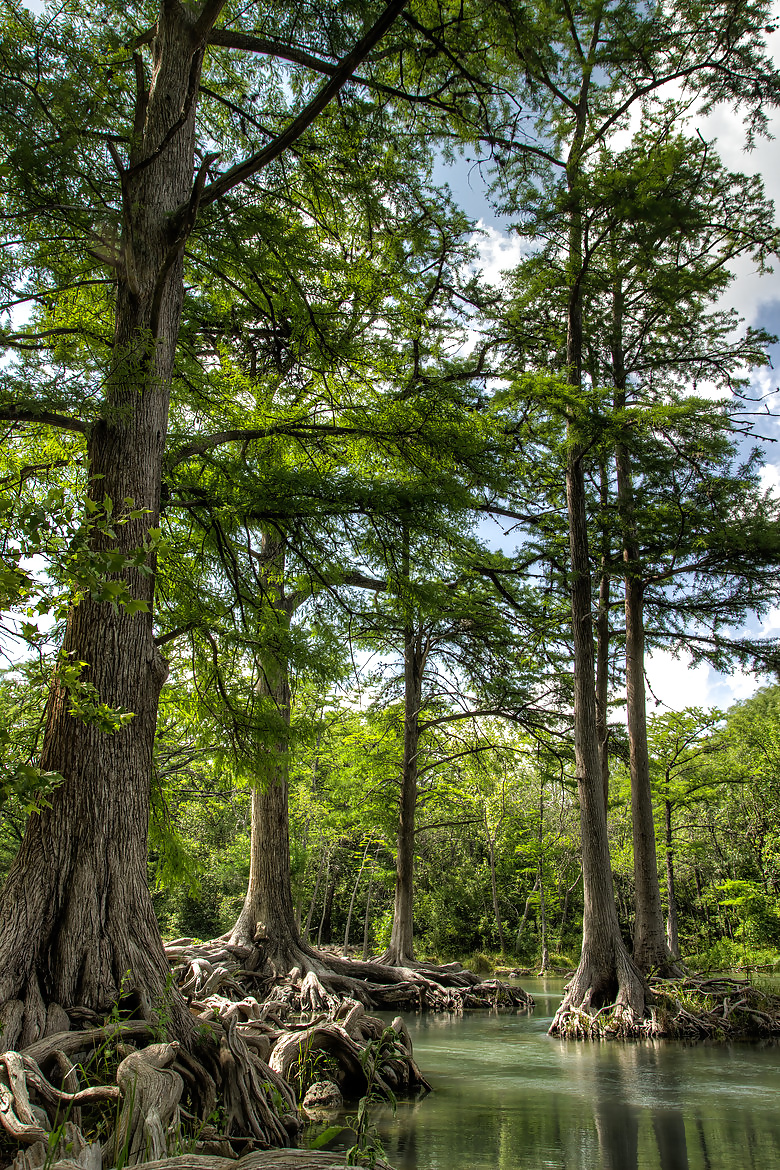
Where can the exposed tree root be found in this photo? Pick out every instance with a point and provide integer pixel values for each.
(310, 980)
(248, 1058)
(263, 1035)
(268, 1160)
(714, 1009)
(684, 1009)
(602, 995)
(151, 1091)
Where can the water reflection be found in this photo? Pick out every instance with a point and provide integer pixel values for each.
(617, 1121)
(617, 1116)
(508, 1097)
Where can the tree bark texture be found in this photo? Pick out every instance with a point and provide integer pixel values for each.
(650, 949)
(401, 949)
(267, 917)
(76, 919)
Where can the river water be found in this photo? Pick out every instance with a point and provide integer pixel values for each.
(507, 1096)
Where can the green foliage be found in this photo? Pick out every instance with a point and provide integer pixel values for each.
(367, 1148)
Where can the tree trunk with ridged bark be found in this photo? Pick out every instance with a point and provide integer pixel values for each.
(606, 972)
(602, 643)
(651, 952)
(267, 918)
(400, 952)
(76, 918)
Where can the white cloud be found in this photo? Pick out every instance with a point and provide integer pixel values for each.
(770, 625)
(498, 251)
(770, 477)
(676, 684)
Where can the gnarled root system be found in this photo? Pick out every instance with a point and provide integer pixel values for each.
(690, 1008)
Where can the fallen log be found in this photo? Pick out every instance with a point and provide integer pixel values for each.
(267, 1160)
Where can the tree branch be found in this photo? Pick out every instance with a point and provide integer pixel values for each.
(243, 171)
(294, 430)
(446, 825)
(203, 25)
(62, 421)
(177, 633)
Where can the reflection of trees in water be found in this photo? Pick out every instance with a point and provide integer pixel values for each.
(617, 1116)
(669, 1129)
(707, 1164)
(502, 1102)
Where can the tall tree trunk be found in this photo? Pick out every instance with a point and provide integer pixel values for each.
(672, 934)
(545, 953)
(494, 890)
(606, 972)
(545, 959)
(602, 642)
(267, 917)
(76, 918)
(564, 912)
(650, 949)
(324, 862)
(526, 911)
(352, 899)
(366, 916)
(401, 949)
(325, 932)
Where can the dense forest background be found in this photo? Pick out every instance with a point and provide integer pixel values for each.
(498, 870)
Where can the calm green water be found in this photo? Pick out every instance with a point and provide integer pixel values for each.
(507, 1096)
